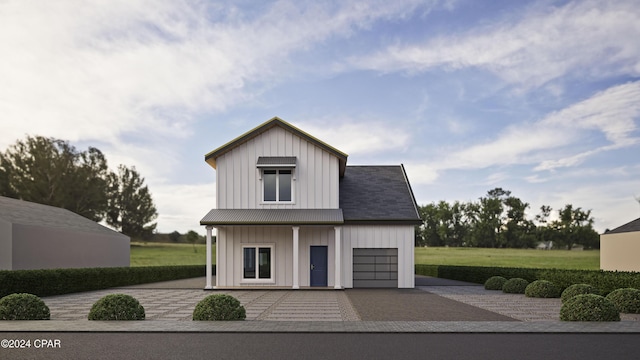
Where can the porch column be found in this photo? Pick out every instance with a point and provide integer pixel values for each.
(338, 255)
(208, 271)
(296, 266)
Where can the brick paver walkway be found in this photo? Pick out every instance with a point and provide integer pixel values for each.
(176, 304)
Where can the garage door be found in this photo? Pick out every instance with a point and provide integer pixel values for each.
(375, 268)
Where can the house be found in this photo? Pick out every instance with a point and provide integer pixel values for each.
(35, 236)
(620, 248)
(290, 213)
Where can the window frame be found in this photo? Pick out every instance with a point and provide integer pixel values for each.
(257, 279)
(277, 185)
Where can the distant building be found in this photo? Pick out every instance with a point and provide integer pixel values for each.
(36, 236)
(620, 248)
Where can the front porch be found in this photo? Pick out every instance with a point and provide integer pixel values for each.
(275, 249)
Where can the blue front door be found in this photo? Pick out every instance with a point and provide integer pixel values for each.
(318, 266)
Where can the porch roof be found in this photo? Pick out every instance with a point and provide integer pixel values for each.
(229, 217)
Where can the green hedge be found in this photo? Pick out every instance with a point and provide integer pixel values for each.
(605, 281)
(475, 274)
(50, 282)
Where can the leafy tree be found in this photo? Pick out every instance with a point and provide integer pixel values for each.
(488, 226)
(429, 230)
(459, 224)
(192, 237)
(500, 220)
(519, 231)
(52, 172)
(174, 236)
(575, 226)
(544, 232)
(131, 209)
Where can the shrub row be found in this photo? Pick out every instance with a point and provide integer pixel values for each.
(119, 307)
(605, 281)
(64, 281)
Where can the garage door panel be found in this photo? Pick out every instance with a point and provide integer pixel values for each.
(376, 284)
(375, 267)
(386, 267)
(365, 275)
(386, 259)
(364, 267)
(364, 259)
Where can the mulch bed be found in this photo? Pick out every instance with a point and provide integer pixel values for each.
(414, 305)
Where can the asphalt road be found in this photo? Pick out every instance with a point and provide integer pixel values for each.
(321, 346)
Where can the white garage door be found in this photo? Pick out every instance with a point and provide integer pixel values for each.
(375, 268)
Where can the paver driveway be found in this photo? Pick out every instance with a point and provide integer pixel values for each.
(178, 304)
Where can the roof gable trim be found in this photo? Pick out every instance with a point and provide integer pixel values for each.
(210, 157)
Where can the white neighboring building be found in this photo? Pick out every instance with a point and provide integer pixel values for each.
(36, 236)
(620, 248)
(290, 213)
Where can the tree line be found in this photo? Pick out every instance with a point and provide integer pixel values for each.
(499, 220)
(52, 172)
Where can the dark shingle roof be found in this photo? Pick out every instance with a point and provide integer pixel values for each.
(377, 194)
(628, 227)
(30, 213)
(273, 217)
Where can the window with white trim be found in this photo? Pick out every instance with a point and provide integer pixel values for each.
(277, 185)
(257, 262)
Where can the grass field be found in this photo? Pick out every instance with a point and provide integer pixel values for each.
(157, 254)
(559, 259)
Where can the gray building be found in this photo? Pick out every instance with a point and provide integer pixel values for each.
(36, 236)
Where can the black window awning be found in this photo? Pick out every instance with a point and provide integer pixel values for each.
(276, 162)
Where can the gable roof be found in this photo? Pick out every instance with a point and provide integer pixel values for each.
(29, 213)
(377, 194)
(210, 157)
(628, 227)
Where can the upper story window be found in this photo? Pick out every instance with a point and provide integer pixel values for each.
(277, 174)
(277, 185)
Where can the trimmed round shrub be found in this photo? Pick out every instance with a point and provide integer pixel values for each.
(589, 307)
(117, 307)
(495, 283)
(577, 289)
(515, 286)
(626, 300)
(23, 307)
(219, 307)
(542, 289)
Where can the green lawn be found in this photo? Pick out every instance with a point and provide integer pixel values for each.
(158, 254)
(559, 259)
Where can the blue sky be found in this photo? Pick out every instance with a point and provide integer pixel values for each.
(538, 97)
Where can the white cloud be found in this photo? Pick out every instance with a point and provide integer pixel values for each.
(356, 137)
(104, 70)
(555, 140)
(181, 207)
(613, 112)
(583, 38)
(421, 174)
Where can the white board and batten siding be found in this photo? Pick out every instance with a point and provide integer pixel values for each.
(400, 237)
(238, 184)
(230, 241)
